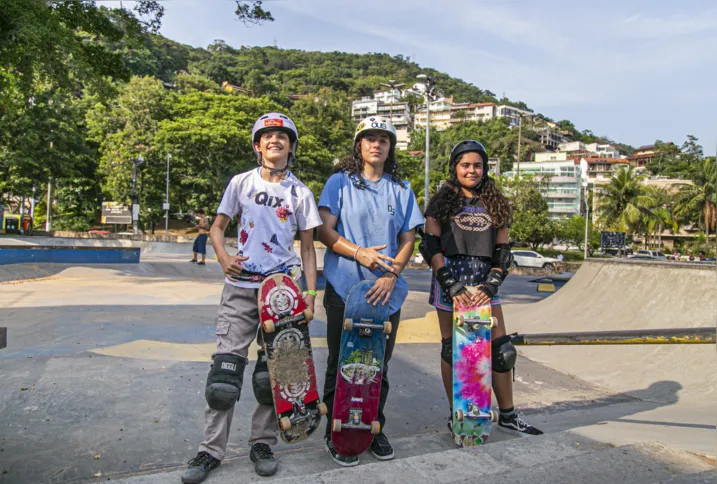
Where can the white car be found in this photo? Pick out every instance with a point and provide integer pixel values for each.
(529, 258)
(648, 254)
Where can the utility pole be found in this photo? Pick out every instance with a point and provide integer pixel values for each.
(587, 212)
(391, 84)
(520, 132)
(48, 215)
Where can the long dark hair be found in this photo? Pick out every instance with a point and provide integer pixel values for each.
(353, 163)
(448, 202)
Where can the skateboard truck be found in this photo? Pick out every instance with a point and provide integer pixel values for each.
(460, 415)
(367, 324)
(270, 326)
(475, 324)
(355, 423)
(302, 414)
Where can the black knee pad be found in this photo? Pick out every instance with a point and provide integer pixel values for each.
(504, 354)
(260, 381)
(224, 381)
(447, 350)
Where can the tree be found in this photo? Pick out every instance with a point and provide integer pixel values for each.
(531, 224)
(701, 198)
(624, 203)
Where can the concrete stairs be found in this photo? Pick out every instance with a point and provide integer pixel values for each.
(559, 458)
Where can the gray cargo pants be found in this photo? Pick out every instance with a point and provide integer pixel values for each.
(237, 326)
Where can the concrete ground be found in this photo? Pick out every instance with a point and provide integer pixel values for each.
(103, 378)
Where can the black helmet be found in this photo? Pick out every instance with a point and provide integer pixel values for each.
(469, 146)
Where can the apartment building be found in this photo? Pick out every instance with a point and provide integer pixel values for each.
(562, 187)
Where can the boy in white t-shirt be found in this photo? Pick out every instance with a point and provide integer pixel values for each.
(271, 205)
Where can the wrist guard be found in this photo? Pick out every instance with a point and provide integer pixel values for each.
(449, 283)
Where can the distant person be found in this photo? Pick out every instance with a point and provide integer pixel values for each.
(200, 243)
(271, 205)
(560, 257)
(466, 243)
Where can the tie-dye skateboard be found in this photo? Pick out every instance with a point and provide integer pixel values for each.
(287, 343)
(358, 380)
(472, 374)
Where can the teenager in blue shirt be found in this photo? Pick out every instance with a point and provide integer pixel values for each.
(369, 219)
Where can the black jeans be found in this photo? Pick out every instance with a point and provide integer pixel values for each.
(334, 325)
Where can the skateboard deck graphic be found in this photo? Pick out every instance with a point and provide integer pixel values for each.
(284, 324)
(472, 374)
(358, 380)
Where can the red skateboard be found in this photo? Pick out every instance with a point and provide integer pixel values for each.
(287, 343)
(358, 380)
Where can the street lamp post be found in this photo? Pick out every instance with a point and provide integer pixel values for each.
(135, 202)
(429, 84)
(166, 205)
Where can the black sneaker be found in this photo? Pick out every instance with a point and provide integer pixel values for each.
(342, 460)
(193, 261)
(513, 423)
(381, 448)
(263, 458)
(199, 468)
(200, 263)
(450, 421)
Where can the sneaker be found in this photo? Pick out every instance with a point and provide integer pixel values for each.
(200, 263)
(381, 448)
(263, 458)
(193, 261)
(513, 423)
(450, 421)
(199, 468)
(342, 460)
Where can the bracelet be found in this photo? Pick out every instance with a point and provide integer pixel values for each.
(358, 247)
(311, 292)
(391, 273)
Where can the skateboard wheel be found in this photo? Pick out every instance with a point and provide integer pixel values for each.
(459, 415)
(460, 320)
(308, 315)
(375, 427)
(336, 425)
(321, 407)
(268, 326)
(387, 327)
(493, 322)
(348, 324)
(285, 423)
(493, 416)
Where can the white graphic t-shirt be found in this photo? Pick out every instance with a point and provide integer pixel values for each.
(269, 215)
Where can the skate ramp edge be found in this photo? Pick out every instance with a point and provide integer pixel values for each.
(611, 295)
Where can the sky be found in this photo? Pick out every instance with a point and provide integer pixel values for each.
(633, 70)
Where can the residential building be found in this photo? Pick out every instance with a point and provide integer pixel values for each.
(550, 138)
(643, 155)
(562, 187)
(571, 146)
(441, 110)
(596, 169)
(550, 156)
(512, 113)
(472, 112)
(603, 150)
(388, 96)
(364, 107)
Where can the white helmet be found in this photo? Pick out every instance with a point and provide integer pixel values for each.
(376, 123)
(276, 122)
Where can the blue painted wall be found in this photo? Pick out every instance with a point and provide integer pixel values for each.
(69, 255)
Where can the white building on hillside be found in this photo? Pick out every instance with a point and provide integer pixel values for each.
(562, 186)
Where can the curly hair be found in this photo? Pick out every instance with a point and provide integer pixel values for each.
(353, 164)
(448, 202)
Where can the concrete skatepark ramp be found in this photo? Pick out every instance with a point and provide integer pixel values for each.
(619, 295)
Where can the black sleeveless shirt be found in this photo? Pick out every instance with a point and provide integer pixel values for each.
(470, 233)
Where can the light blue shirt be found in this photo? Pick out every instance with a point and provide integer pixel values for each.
(371, 216)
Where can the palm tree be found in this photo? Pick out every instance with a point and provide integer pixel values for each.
(625, 204)
(701, 198)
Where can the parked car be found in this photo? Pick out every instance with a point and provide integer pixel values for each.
(529, 258)
(648, 254)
